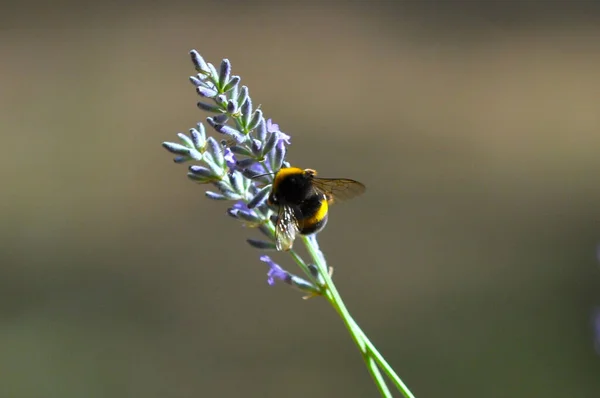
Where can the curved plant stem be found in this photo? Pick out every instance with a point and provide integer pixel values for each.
(384, 365)
(377, 376)
(373, 359)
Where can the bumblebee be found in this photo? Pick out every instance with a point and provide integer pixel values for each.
(303, 200)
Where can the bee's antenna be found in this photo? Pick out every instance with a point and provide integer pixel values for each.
(261, 175)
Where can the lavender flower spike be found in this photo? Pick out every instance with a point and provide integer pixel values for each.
(239, 168)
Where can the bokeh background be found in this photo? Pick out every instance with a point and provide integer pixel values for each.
(470, 262)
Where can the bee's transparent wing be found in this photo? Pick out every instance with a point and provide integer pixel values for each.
(286, 228)
(339, 189)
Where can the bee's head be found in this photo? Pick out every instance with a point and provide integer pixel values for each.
(310, 173)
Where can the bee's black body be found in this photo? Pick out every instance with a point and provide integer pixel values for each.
(293, 187)
(311, 216)
(304, 200)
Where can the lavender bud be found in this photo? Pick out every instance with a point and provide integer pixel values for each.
(231, 107)
(240, 150)
(235, 90)
(214, 75)
(253, 189)
(221, 100)
(221, 119)
(246, 109)
(194, 154)
(198, 137)
(235, 179)
(225, 190)
(261, 130)
(270, 144)
(240, 213)
(209, 107)
(201, 172)
(224, 73)
(198, 178)
(249, 173)
(256, 118)
(177, 149)
(245, 163)
(304, 285)
(215, 150)
(180, 159)
(256, 145)
(231, 132)
(261, 244)
(233, 213)
(230, 195)
(198, 61)
(277, 155)
(249, 186)
(196, 80)
(214, 195)
(260, 197)
(206, 92)
(253, 175)
(314, 271)
(211, 121)
(243, 96)
(212, 165)
(249, 217)
(235, 80)
(187, 141)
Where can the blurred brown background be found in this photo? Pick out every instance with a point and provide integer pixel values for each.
(470, 262)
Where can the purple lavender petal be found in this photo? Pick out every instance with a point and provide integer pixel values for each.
(275, 271)
(272, 127)
(229, 159)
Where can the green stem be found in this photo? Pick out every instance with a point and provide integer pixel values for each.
(384, 365)
(358, 339)
(377, 377)
(370, 354)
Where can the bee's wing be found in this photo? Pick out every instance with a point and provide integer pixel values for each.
(339, 189)
(286, 228)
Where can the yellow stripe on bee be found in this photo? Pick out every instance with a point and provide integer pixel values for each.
(284, 173)
(319, 215)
